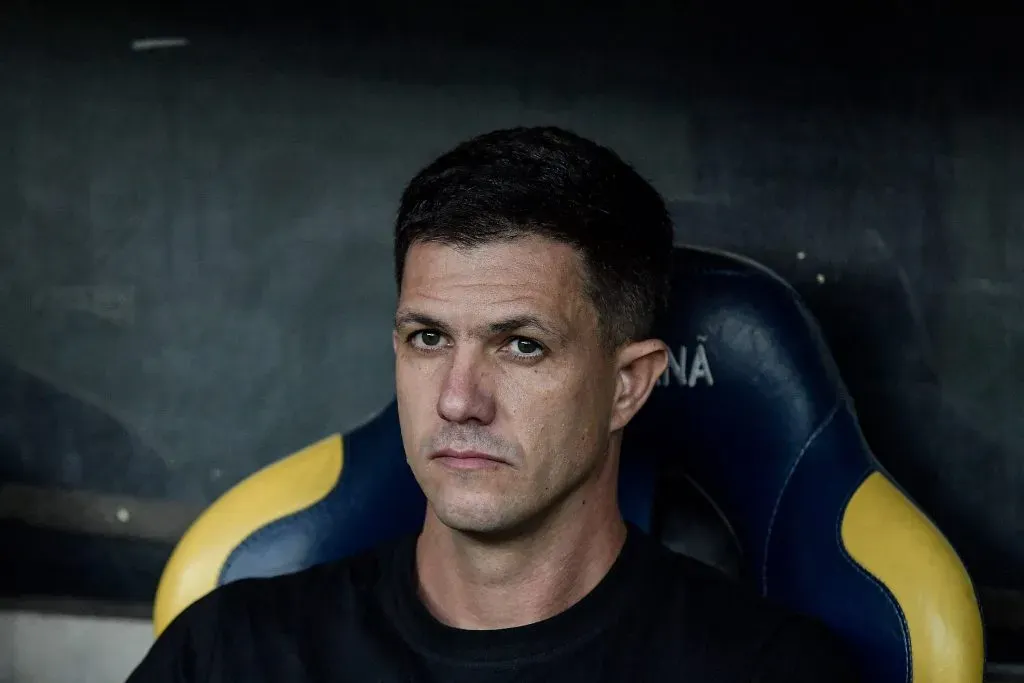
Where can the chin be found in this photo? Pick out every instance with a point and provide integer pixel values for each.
(473, 514)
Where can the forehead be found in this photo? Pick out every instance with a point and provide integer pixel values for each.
(528, 271)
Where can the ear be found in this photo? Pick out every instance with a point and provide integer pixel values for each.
(394, 341)
(640, 364)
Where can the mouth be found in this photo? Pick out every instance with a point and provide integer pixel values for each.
(467, 460)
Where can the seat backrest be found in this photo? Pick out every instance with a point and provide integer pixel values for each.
(752, 406)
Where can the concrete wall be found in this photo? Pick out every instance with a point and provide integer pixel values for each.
(195, 256)
(38, 647)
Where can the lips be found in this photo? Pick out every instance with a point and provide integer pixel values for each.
(467, 460)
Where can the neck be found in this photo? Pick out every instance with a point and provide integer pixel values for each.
(475, 583)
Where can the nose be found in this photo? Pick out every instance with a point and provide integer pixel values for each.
(466, 395)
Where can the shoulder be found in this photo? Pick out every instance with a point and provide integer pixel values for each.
(298, 596)
(803, 651)
(738, 630)
(694, 591)
(230, 625)
(302, 591)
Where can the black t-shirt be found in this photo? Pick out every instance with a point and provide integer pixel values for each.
(656, 616)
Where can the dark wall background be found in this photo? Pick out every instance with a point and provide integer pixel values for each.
(195, 267)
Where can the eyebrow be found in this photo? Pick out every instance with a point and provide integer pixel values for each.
(405, 318)
(518, 322)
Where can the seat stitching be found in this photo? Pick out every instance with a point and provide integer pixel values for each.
(907, 654)
(789, 476)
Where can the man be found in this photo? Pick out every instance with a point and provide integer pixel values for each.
(531, 266)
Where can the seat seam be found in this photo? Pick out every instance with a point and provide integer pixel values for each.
(785, 484)
(908, 657)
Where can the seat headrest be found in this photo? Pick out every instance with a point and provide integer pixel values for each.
(750, 382)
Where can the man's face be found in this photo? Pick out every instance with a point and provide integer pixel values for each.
(505, 392)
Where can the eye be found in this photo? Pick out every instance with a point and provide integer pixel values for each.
(427, 339)
(522, 347)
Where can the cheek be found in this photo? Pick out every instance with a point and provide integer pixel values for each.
(591, 410)
(416, 374)
(415, 389)
(557, 417)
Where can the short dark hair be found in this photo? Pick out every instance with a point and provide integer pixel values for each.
(550, 182)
